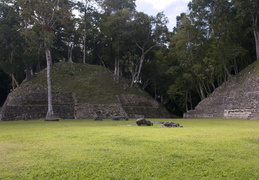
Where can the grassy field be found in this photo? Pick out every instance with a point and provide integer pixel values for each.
(87, 149)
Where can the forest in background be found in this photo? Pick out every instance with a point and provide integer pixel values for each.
(210, 44)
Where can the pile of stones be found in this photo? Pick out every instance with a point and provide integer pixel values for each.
(144, 122)
(170, 124)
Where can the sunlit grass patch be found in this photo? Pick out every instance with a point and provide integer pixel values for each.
(87, 149)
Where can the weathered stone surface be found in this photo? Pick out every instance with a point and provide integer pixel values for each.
(143, 122)
(128, 106)
(34, 106)
(86, 110)
(237, 98)
(51, 118)
(170, 124)
(139, 106)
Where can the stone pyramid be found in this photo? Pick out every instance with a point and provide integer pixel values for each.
(80, 91)
(236, 98)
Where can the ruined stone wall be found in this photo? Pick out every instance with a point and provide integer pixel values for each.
(129, 105)
(140, 106)
(86, 110)
(237, 113)
(34, 106)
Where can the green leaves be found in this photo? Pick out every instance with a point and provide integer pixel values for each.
(208, 46)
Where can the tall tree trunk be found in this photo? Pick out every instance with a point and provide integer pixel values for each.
(227, 73)
(15, 83)
(201, 92)
(186, 101)
(146, 83)
(84, 57)
(49, 62)
(213, 86)
(133, 77)
(28, 70)
(29, 73)
(117, 70)
(256, 34)
(142, 58)
(70, 52)
(38, 69)
(235, 65)
(190, 96)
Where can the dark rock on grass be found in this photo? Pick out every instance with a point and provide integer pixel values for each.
(143, 122)
(52, 118)
(170, 124)
(98, 119)
(115, 118)
(118, 118)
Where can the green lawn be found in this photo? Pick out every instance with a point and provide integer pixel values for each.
(86, 149)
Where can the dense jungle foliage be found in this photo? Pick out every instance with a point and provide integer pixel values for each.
(214, 41)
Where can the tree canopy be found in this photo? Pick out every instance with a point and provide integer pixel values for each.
(215, 40)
